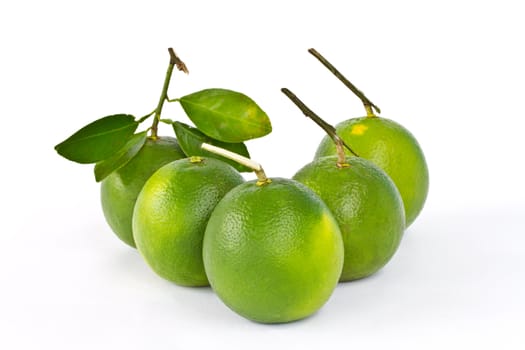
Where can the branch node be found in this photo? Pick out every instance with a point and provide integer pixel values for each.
(175, 60)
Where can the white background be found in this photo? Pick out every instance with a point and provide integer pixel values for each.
(450, 71)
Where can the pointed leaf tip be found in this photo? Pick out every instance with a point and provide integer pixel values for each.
(99, 139)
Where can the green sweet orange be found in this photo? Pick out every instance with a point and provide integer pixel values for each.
(391, 147)
(367, 207)
(120, 189)
(273, 253)
(171, 214)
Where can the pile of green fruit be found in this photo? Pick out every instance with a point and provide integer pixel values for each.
(273, 249)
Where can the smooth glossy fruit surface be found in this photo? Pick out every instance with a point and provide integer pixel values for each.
(120, 189)
(273, 253)
(391, 147)
(171, 214)
(367, 207)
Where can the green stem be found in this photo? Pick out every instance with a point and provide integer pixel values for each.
(174, 61)
(262, 179)
(145, 117)
(329, 129)
(369, 106)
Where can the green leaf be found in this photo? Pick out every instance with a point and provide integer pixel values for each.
(190, 140)
(226, 115)
(98, 140)
(122, 157)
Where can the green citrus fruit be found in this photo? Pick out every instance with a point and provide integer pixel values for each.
(273, 253)
(367, 207)
(171, 214)
(120, 189)
(391, 147)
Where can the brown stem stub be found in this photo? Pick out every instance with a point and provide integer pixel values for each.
(329, 129)
(175, 60)
(366, 102)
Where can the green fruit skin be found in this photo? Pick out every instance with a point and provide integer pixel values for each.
(171, 214)
(367, 207)
(395, 150)
(120, 189)
(273, 253)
